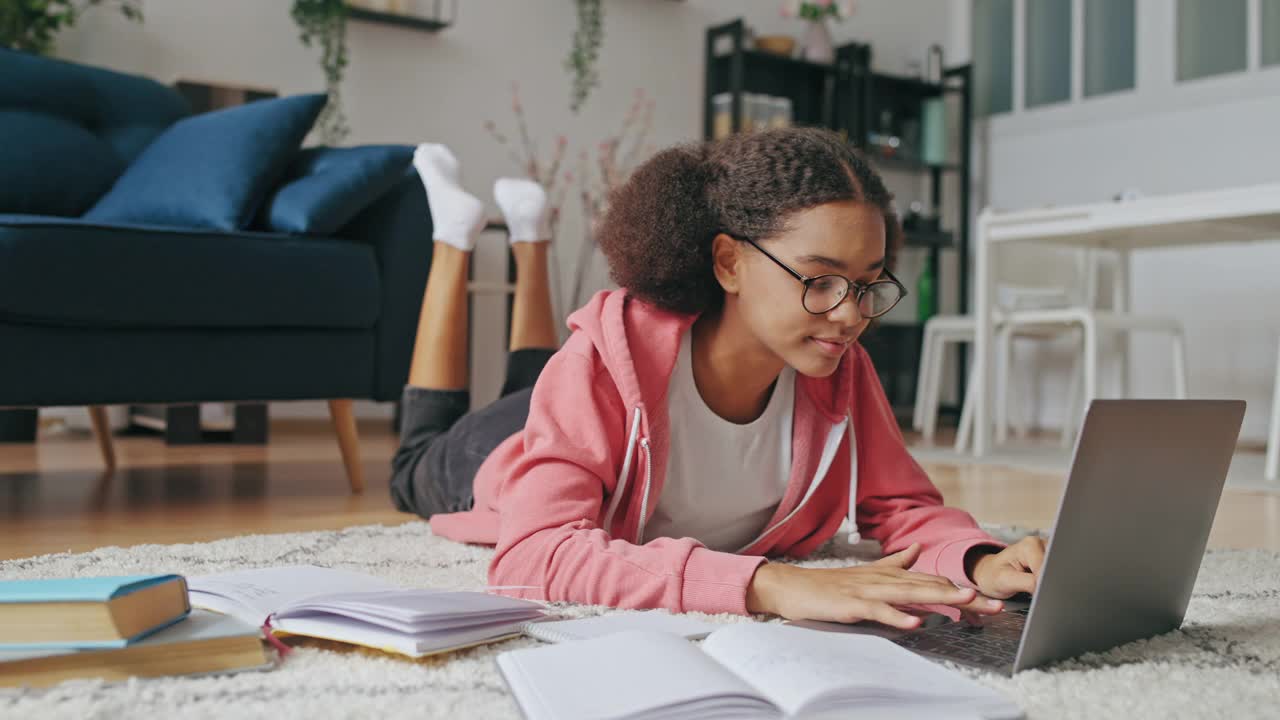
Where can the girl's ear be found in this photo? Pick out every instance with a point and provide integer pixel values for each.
(726, 259)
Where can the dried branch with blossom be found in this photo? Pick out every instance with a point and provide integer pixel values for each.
(617, 157)
(526, 158)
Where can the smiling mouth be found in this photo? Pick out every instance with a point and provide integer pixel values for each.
(832, 347)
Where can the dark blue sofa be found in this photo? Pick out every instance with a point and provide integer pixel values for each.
(96, 314)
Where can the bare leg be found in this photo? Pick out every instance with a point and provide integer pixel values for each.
(533, 323)
(440, 349)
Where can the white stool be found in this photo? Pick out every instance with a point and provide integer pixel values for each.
(939, 331)
(1273, 442)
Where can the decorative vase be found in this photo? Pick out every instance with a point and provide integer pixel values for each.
(816, 45)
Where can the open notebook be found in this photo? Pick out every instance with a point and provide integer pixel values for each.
(361, 609)
(747, 670)
(601, 625)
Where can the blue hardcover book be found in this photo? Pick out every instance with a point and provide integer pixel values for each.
(92, 612)
(203, 643)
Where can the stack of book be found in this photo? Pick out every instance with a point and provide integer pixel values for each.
(114, 628)
(144, 626)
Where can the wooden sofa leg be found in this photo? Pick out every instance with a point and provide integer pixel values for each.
(344, 424)
(102, 431)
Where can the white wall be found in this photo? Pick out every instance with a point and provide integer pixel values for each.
(1162, 138)
(407, 86)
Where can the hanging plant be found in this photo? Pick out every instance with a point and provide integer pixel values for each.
(30, 25)
(325, 22)
(586, 51)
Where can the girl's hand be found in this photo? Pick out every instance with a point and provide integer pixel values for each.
(867, 592)
(1012, 570)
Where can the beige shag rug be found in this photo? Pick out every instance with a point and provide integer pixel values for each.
(1224, 662)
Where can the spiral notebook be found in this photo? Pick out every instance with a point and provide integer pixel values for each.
(557, 631)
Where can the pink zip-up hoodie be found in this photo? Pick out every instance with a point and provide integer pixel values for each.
(566, 500)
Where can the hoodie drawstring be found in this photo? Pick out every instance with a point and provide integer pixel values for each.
(854, 536)
(621, 485)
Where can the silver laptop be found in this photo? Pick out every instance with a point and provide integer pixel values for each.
(1126, 547)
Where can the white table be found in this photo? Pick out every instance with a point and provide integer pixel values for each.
(1237, 215)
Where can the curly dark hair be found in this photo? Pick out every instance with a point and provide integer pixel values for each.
(658, 230)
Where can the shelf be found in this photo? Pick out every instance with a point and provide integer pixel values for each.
(769, 73)
(762, 57)
(807, 84)
(928, 239)
(906, 163)
(407, 21)
(899, 85)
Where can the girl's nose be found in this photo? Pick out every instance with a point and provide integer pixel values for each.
(846, 313)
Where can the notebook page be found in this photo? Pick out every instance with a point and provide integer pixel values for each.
(252, 595)
(794, 667)
(416, 610)
(586, 628)
(342, 629)
(624, 675)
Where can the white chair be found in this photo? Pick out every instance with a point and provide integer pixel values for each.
(1273, 442)
(939, 331)
(1080, 317)
(1093, 324)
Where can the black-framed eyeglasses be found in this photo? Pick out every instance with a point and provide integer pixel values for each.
(823, 293)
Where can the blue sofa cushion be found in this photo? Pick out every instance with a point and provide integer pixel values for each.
(69, 130)
(326, 187)
(71, 272)
(211, 170)
(50, 165)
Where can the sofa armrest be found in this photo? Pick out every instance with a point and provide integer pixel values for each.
(398, 226)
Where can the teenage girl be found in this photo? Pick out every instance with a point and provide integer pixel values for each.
(715, 411)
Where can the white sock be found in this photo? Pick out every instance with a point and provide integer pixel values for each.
(437, 158)
(457, 216)
(524, 205)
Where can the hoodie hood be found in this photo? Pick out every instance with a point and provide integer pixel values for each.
(641, 367)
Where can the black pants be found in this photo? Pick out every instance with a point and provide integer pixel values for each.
(442, 445)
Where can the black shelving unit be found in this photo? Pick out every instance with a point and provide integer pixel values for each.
(848, 96)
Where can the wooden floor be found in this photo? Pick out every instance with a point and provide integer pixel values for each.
(54, 497)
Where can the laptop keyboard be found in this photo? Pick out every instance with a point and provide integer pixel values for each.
(995, 644)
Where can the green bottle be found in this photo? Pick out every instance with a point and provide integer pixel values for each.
(924, 295)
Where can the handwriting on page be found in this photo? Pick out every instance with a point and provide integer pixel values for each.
(252, 590)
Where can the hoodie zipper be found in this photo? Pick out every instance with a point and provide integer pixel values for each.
(644, 499)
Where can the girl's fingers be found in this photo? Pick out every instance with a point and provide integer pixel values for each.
(917, 594)
(889, 615)
(1019, 582)
(902, 559)
(982, 605)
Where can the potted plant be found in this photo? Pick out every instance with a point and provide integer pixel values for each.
(816, 45)
(30, 25)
